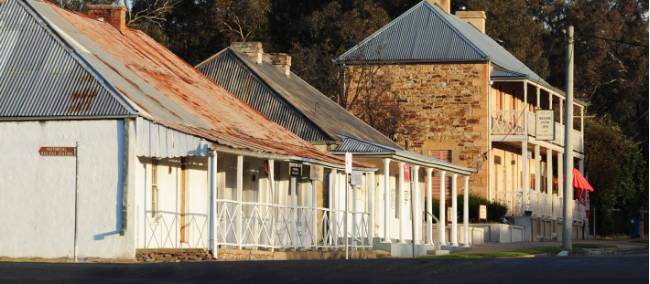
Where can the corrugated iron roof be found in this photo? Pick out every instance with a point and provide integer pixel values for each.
(227, 70)
(426, 33)
(39, 76)
(369, 149)
(421, 34)
(324, 114)
(162, 87)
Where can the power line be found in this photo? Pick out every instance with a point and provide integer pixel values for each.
(613, 40)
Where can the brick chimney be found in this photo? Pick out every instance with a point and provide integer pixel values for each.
(443, 4)
(474, 18)
(112, 14)
(280, 60)
(252, 49)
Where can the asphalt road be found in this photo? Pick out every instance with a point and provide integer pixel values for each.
(547, 270)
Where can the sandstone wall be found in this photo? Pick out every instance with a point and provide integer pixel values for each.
(442, 107)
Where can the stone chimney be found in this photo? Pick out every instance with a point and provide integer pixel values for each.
(474, 18)
(280, 60)
(112, 14)
(443, 4)
(252, 49)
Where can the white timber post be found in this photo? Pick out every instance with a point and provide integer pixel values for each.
(441, 210)
(466, 212)
(525, 187)
(400, 203)
(371, 187)
(272, 202)
(314, 212)
(549, 181)
(454, 210)
(353, 216)
(240, 196)
(387, 215)
(417, 217)
(294, 211)
(538, 177)
(333, 206)
(212, 164)
(429, 207)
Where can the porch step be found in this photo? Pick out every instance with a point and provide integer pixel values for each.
(438, 252)
(173, 255)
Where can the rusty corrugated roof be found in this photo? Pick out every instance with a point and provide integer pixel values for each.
(302, 108)
(161, 87)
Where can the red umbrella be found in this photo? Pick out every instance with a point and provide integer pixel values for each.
(580, 182)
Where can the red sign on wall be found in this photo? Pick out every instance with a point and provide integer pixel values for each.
(57, 151)
(407, 173)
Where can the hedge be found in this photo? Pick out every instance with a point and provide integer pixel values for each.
(495, 210)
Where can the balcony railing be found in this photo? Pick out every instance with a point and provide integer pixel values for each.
(508, 122)
(511, 122)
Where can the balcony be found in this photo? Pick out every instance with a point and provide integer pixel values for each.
(509, 122)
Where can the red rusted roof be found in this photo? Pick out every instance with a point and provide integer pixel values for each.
(167, 90)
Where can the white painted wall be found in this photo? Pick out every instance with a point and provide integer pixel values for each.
(38, 192)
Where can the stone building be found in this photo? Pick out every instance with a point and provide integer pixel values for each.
(466, 98)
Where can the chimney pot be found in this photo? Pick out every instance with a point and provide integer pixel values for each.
(474, 18)
(112, 14)
(253, 49)
(443, 4)
(280, 60)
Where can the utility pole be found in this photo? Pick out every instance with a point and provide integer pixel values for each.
(568, 150)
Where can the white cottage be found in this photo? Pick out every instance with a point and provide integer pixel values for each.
(403, 211)
(113, 145)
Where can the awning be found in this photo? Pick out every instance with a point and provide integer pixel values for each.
(580, 182)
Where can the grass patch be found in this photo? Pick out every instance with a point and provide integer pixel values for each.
(548, 250)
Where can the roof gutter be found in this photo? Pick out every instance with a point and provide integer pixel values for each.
(445, 167)
(287, 158)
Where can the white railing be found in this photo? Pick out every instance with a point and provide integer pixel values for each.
(262, 225)
(508, 122)
(163, 230)
(577, 141)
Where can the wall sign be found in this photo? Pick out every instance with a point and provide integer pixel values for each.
(57, 151)
(482, 212)
(295, 170)
(407, 173)
(545, 125)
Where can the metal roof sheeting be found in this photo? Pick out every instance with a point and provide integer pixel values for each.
(228, 71)
(160, 86)
(426, 33)
(420, 34)
(40, 78)
(325, 114)
(368, 149)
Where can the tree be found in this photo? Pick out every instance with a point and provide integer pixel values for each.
(328, 33)
(150, 16)
(241, 20)
(617, 170)
(611, 57)
(369, 97)
(511, 24)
